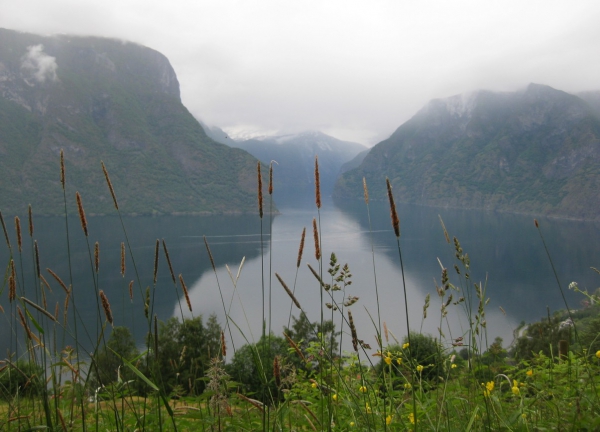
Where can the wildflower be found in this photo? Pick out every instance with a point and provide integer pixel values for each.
(362, 389)
(399, 361)
(530, 372)
(334, 397)
(314, 385)
(351, 424)
(524, 416)
(368, 408)
(489, 386)
(407, 386)
(411, 418)
(388, 420)
(388, 360)
(515, 388)
(420, 368)
(405, 346)
(453, 366)
(598, 354)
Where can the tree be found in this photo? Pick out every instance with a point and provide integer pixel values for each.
(26, 378)
(108, 362)
(252, 367)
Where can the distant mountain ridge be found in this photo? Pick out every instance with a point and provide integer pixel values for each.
(103, 99)
(294, 155)
(533, 151)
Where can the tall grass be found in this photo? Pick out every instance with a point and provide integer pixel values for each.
(412, 382)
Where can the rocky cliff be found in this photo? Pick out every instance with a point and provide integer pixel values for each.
(102, 99)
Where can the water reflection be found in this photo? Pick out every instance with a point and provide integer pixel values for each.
(505, 251)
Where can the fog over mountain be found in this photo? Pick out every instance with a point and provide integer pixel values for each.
(293, 159)
(533, 151)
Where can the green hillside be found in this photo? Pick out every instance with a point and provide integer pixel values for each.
(102, 99)
(534, 151)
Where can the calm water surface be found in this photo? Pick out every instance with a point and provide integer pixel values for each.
(506, 253)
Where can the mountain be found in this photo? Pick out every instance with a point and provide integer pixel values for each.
(110, 100)
(293, 177)
(532, 151)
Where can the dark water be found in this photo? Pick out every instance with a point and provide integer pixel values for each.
(505, 250)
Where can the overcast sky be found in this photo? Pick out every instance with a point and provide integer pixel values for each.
(353, 69)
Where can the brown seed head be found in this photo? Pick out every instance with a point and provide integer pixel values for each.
(223, 345)
(366, 191)
(288, 291)
(4, 229)
(110, 186)
(301, 248)
(122, 259)
(316, 237)
(271, 178)
(212, 261)
(260, 193)
(168, 261)
(59, 280)
(37, 257)
(106, 307)
(38, 308)
(12, 282)
(156, 248)
(24, 323)
(82, 218)
(66, 306)
(536, 223)
(295, 346)
(317, 183)
(185, 292)
(131, 290)
(393, 213)
(30, 214)
(62, 168)
(18, 230)
(97, 256)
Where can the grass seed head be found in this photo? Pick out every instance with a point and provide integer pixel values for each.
(62, 168)
(185, 292)
(301, 248)
(30, 216)
(317, 184)
(82, 218)
(106, 307)
(18, 231)
(316, 237)
(260, 192)
(110, 186)
(393, 213)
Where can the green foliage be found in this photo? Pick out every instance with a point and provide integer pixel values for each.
(107, 366)
(542, 336)
(184, 353)
(252, 367)
(24, 378)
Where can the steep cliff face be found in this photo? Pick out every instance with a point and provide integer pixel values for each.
(535, 151)
(102, 99)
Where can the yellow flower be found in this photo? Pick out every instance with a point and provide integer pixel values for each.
(405, 346)
(368, 408)
(334, 397)
(516, 391)
(524, 415)
(420, 368)
(489, 386)
(399, 360)
(530, 372)
(411, 418)
(407, 386)
(453, 366)
(598, 354)
(388, 420)
(388, 360)
(362, 389)
(314, 385)
(351, 424)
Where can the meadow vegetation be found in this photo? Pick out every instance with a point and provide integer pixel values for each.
(188, 376)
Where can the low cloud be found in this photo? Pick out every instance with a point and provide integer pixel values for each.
(39, 65)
